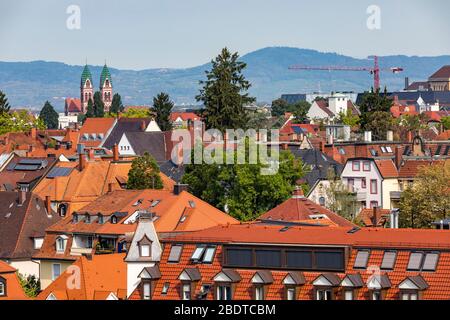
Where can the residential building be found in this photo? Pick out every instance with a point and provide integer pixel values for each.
(102, 226)
(440, 80)
(95, 130)
(137, 143)
(23, 221)
(10, 288)
(275, 262)
(329, 109)
(99, 277)
(72, 107)
(65, 121)
(183, 119)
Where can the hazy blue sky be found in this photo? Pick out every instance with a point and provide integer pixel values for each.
(181, 33)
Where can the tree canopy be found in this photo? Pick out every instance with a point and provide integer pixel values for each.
(19, 121)
(144, 174)
(162, 108)
(99, 107)
(375, 113)
(49, 116)
(300, 110)
(428, 199)
(116, 104)
(240, 189)
(224, 93)
(4, 105)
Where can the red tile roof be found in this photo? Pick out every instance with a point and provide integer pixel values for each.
(184, 116)
(299, 208)
(444, 136)
(73, 105)
(387, 168)
(410, 168)
(99, 276)
(14, 290)
(442, 73)
(95, 126)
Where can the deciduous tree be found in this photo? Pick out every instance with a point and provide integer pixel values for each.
(144, 174)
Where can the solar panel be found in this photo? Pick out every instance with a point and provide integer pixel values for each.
(23, 167)
(31, 161)
(59, 172)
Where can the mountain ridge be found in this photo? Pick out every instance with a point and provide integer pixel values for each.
(31, 83)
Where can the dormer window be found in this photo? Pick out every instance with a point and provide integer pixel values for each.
(113, 219)
(87, 218)
(61, 244)
(145, 245)
(100, 218)
(75, 218)
(62, 210)
(2, 287)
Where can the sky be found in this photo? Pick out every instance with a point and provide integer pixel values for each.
(146, 34)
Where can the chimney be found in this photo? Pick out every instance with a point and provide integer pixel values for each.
(91, 154)
(22, 197)
(376, 216)
(398, 157)
(390, 135)
(298, 193)
(406, 83)
(48, 204)
(178, 188)
(368, 136)
(321, 146)
(110, 187)
(81, 162)
(115, 152)
(410, 136)
(394, 218)
(143, 126)
(33, 133)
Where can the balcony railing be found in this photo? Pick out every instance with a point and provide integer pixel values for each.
(396, 195)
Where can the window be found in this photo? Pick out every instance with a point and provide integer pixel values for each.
(146, 290)
(329, 260)
(366, 166)
(299, 259)
(348, 295)
(409, 296)
(87, 218)
(268, 258)
(186, 291)
(145, 250)
(100, 219)
(62, 210)
(38, 242)
(113, 219)
(323, 294)
(356, 166)
(322, 201)
(362, 257)
(389, 258)
(376, 295)
(389, 149)
(56, 270)
(430, 262)
(223, 292)
(290, 294)
(2, 287)
(363, 183)
(259, 293)
(383, 149)
(175, 253)
(351, 182)
(203, 254)
(239, 257)
(373, 152)
(373, 187)
(60, 245)
(165, 288)
(341, 151)
(415, 261)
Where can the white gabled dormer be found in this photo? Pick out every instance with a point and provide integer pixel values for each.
(125, 147)
(153, 127)
(144, 251)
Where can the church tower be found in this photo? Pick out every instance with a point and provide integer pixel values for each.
(106, 87)
(86, 88)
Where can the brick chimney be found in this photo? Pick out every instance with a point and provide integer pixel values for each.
(48, 204)
(376, 216)
(81, 162)
(22, 197)
(398, 156)
(115, 152)
(91, 154)
(33, 133)
(321, 146)
(143, 126)
(298, 193)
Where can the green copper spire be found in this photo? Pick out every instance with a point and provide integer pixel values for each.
(86, 75)
(105, 75)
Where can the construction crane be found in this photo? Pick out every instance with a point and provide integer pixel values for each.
(375, 70)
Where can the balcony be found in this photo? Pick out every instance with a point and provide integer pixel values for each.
(80, 251)
(361, 196)
(395, 195)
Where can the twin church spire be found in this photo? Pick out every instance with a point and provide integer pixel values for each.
(87, 88)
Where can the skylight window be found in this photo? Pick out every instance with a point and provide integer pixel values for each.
(389, 149)
(389, 258)
(415, 261)
(165, 288)
(430, 261)
(383, 149)
(175, 253)
(155, 203)
(203, 254)
(362, 257)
